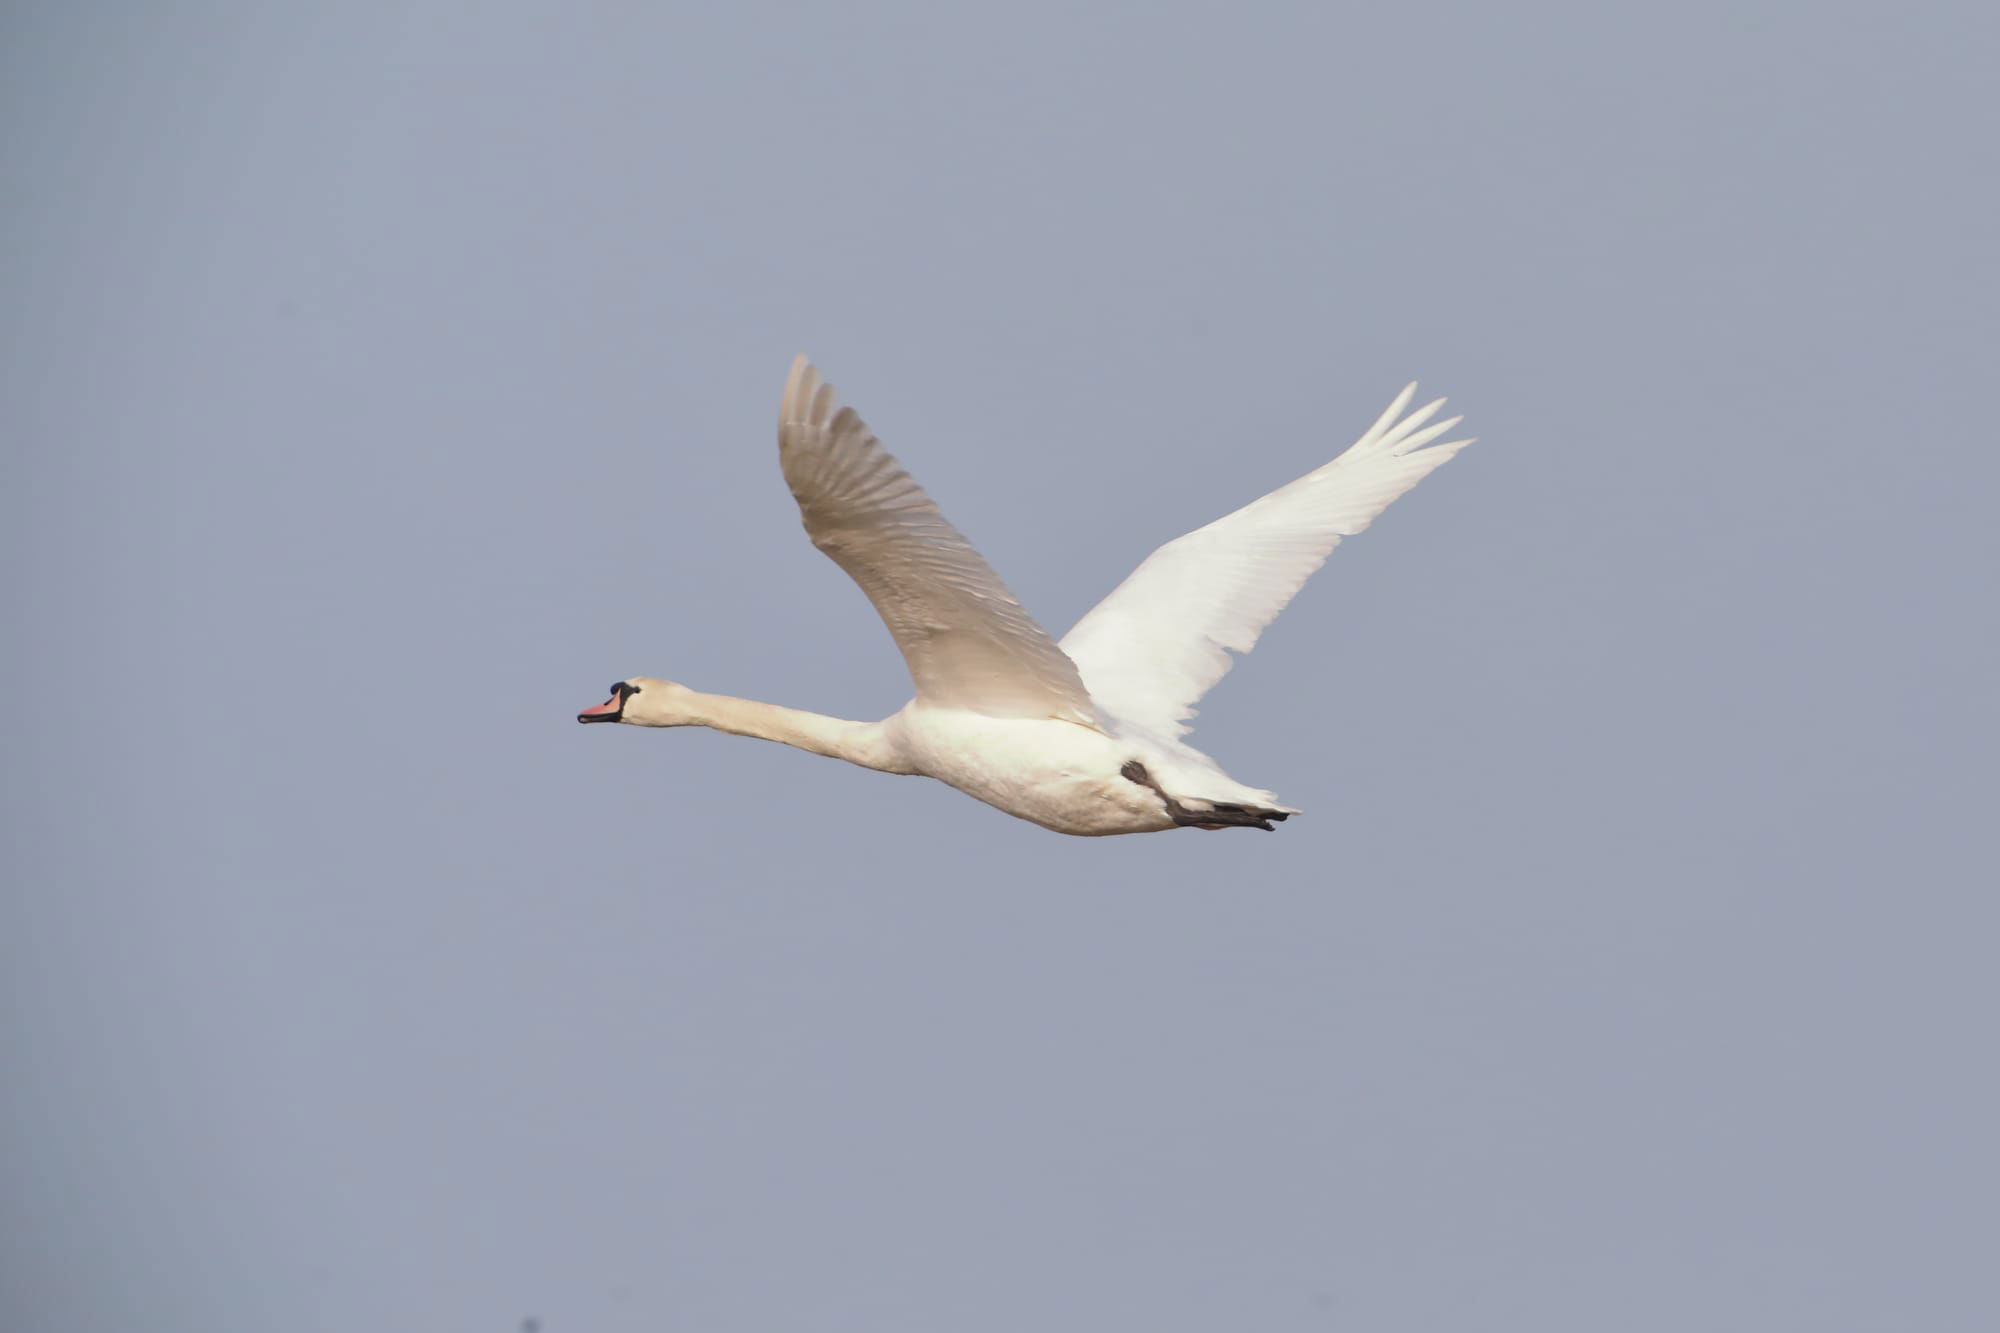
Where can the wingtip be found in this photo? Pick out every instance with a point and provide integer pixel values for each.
(1406, 441)
(799, 387)
(1389, 416)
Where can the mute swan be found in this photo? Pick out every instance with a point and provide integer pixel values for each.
(1082, 737)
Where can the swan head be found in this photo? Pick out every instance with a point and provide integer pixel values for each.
(643, 701)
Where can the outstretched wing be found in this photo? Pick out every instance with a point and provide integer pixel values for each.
(1152, 648)
(967, 642)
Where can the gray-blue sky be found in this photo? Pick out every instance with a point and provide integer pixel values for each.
(382, 380)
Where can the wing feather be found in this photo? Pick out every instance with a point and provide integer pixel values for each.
(1150, 650)
(967, 641)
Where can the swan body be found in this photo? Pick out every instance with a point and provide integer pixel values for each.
(1061, 775)
(1082, 737)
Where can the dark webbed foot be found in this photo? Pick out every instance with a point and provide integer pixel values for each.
(1218, 816)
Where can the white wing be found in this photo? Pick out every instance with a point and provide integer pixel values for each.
(1152, 648)
(966, 640)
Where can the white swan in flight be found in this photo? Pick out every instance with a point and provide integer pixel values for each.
(1084, 736)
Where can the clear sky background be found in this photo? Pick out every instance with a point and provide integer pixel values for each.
(382, 380)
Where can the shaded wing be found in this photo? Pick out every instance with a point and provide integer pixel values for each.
(1152, 648)
(967, 642)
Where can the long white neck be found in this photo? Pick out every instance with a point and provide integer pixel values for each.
(857, 742)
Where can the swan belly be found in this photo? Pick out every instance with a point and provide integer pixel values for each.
(1060, 775)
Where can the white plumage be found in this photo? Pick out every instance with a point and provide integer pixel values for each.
(1164, 636)
(968, 643)
(1083, 737)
